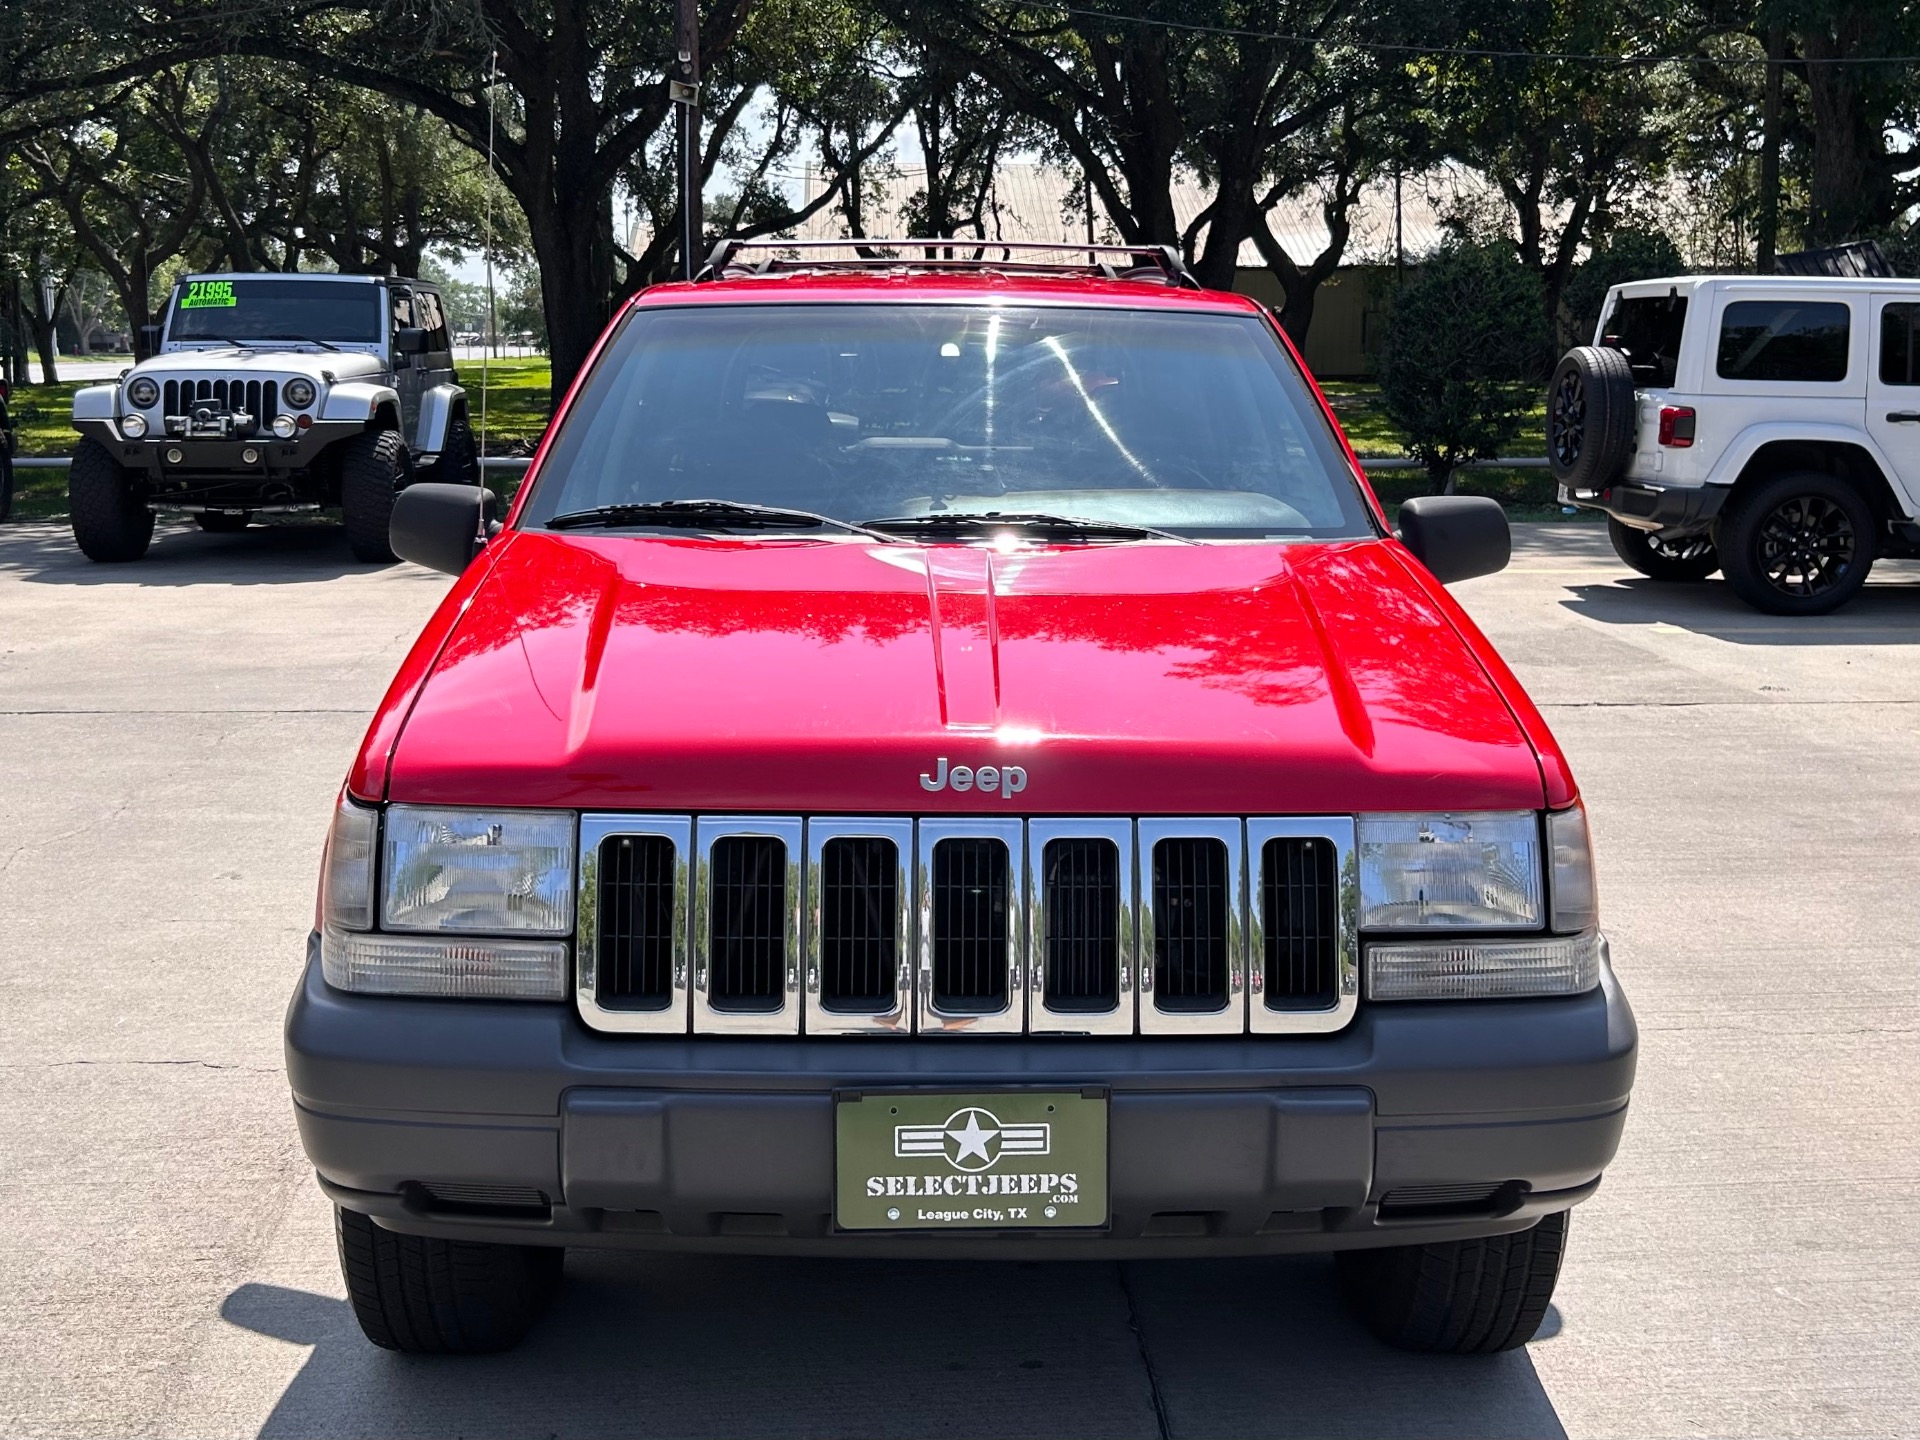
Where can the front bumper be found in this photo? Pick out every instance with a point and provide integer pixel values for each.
(1673, 510)
(204, 459)
(1218, 1146)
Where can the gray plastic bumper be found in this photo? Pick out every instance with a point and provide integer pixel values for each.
(1218, 1146)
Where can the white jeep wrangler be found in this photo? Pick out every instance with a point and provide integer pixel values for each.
(269, 393)
(1764, 426)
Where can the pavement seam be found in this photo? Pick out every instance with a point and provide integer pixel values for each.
(1160, 1419)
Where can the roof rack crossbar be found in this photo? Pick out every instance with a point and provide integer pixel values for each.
(786, 256)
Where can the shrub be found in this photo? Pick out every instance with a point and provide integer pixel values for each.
(1466, 345)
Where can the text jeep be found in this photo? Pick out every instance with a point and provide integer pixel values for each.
(271, 394)
(947, 760)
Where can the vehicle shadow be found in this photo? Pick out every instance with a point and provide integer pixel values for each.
(1887, 612)
(644, 1345)
(43, 552)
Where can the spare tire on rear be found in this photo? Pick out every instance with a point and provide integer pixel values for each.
(1590, 415)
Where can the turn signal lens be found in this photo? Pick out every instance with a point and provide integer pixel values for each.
(1485, 969)
(133, 426)
(346, 881)
(474, 969)
(1574, 891)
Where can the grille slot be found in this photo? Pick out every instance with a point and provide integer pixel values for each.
(260, 399)
(1300, 921)
(1192, 924)
(637, 904)
(1080, 955)
(460, 1199)
(859, 881)
(971, 925)
(1472, 1198)
(746, 918)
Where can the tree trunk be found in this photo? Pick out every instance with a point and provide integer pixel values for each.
(46, 341)
(1767, 227)
(1851, 188)
(572, 241)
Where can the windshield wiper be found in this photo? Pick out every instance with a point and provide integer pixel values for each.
(1054, 527)
(708, 514)
(302, 339)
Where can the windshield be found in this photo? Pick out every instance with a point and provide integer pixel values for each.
(1182, 421)
(275, 310)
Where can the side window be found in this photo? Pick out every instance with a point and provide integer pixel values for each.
(1899, 354)
(1647, 331)
(427, 304)
(403, 309)
(1783, 340)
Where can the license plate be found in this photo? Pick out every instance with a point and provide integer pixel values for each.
(998, 1160)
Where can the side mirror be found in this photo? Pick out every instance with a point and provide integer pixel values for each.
(146, 343)
(442, 526)
(1456, 536)
(409, 340)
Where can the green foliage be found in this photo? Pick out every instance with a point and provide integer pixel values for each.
(1466, 341)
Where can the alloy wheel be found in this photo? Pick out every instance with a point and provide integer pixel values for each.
(1806, 545)
(1568, 424)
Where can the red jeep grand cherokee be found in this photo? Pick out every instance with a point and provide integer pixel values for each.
(945, 758)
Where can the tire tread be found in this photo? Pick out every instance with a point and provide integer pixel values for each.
(1462, 1297)
(427, 1296)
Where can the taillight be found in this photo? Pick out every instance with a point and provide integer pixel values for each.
(1676, 426)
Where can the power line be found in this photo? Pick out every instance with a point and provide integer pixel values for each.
(1474, 52)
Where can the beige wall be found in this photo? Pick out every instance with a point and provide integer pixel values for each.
(1346, 317)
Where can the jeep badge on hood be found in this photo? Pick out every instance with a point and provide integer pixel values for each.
(1009, 780)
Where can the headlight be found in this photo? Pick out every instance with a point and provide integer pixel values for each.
(299, 393)
(144, 391)
(1477, 871)
(285, 426)
(133, 426)
(481, 872)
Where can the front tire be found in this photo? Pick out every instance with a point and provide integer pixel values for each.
(371, 469)
(1693, 558)
(1457, 1297)
(459, 459)
(111, 524)
(1800, 543)
(427, 1296)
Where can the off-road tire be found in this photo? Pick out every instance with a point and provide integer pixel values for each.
(1693, 558)
(111, 524)
(1590, 417)
(1457, 1297)
(219, 522)
(443, 1297)
(460, 459)
(372, 466)
(1759, 530)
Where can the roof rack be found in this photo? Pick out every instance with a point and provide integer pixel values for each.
(785, 257)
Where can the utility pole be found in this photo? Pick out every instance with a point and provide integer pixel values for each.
(1767, 241)
(683, 88)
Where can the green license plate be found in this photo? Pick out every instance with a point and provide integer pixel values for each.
(999, 1160)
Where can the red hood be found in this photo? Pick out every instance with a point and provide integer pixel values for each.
(681, 674)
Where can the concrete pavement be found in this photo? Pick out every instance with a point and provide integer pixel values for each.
(172, 733)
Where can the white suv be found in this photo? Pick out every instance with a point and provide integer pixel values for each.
(1764, 426)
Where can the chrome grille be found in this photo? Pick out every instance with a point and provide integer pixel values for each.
(840, 925)
(260, 399)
